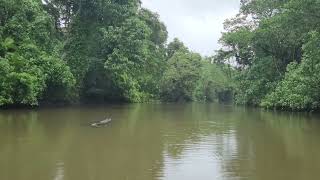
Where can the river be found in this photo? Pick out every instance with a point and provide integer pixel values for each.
(159, 141)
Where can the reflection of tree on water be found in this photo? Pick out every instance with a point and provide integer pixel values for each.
(196, 145)
(157, 142)
(134, 143)
(190, 124)
(275, 146)
(21, 153)
(56, 135)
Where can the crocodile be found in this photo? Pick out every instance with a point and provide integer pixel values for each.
(101, 123)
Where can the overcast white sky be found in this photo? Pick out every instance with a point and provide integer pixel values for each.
(198, 23)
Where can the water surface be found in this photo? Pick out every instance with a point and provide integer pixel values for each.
(159, 141)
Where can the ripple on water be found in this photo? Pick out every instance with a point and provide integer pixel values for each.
(194, 158)
(59, 174)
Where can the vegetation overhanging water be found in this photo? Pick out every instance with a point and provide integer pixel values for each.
(96, 51)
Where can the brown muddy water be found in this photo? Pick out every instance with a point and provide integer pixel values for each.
(159, 141)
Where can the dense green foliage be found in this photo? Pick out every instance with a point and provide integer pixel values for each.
(276, 47)
(59, 51)
(301, 85)
(189, 77)
(181, 76)
(31, 70)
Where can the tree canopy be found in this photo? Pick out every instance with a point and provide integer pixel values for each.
(29, 56)
(274, 44)
(97, 51)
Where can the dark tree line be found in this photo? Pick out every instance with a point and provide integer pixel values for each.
(66, 51)
(276, 45)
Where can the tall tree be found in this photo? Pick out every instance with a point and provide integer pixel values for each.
(30, 65)
(265, 39)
